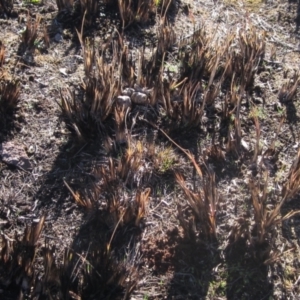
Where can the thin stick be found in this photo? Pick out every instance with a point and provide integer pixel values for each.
(113, 234)
(186, 152)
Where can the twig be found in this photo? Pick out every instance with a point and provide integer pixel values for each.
(113, 234)
(186, 152)
(277, 41)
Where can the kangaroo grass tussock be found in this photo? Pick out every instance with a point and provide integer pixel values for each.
(243, 62)
(203, 203)
(2, 54)
(165, 6)
(18, 257)
(153, 68)
(9, 95)
(125, 210)
(131, 162)
(88, 58)
(288, 90)
(88, 10)
(187, 112)
(46, 38)
(120, 113)
(139, 210)
(148, 71)
(166, 39)
(30, 34)
(127, 67)
(79, 200)
(51, 281)
(86, 115)
(265, 219)
(292, 185)
(96, 271)
(113, 189)
(192, 115)
(194, 54)
(135, 11)
(65, 5)
(234, 140)
(235, 91)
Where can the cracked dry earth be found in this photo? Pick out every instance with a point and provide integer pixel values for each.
(163, 257)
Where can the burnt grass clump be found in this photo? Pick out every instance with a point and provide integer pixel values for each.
(163, 150)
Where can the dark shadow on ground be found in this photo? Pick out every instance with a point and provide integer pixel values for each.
(189, 260)
(9, 123)
(297, 18)
(193, 262)
(174, 10)
(104, 258)
(101, 261)
(247, 276)
(292, 118)
(107, 24)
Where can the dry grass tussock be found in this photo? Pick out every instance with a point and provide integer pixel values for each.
(130, 109)
(204, 206)
(260, 231)
(9, 89)
(6, 6)
(292, 185)
(30, 34)
(130, 11)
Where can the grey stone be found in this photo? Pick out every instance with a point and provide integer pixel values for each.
(139, 98)
(14, 154)
(124, 101)
(128, 92)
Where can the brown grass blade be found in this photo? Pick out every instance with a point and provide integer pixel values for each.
(79, 200)
(292, 185)
(141, 199)
(30, 34)
(9, 95)
(203, 203)
(2, 54)
(186, 152)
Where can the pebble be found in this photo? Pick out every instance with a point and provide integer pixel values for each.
(31, 150)
(139, 98)
(124, 101)
(128, 92)
(58, 38)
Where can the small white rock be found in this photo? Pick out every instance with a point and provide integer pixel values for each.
(31, 150)
(245, 145)
(63, 71)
